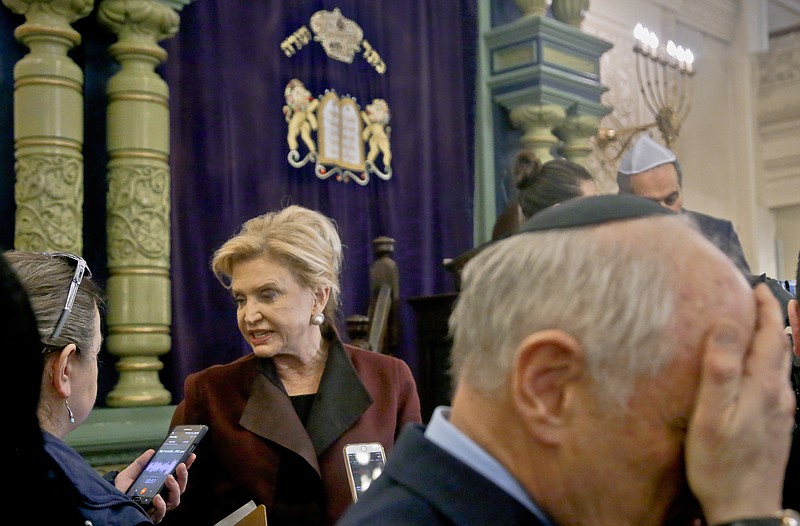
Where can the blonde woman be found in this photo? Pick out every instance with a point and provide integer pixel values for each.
(279, 417)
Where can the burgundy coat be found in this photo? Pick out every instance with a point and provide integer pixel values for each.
(258, 449)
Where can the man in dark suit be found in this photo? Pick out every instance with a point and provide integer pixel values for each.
(602, 377)
(652, 171)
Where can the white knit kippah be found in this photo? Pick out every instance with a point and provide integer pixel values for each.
(645, 155)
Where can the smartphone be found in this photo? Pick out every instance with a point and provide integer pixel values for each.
(364, 463)
(176, 448)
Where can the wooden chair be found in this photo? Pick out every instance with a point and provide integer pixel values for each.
(378, 331)
(357, 326)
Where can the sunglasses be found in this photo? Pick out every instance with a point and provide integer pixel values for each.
(81, 268)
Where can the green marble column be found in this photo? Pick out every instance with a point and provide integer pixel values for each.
(138, 204)
(48, 127)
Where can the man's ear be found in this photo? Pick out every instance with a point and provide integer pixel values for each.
(548, 365)
(61, 367)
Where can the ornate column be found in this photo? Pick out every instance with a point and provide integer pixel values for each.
(539, 76)
(538, 121)
(138, 204)
(544, 71)
(48, 127)
(574, 133)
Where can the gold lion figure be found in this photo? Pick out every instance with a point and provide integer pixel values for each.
(376, 131)
(300, 114)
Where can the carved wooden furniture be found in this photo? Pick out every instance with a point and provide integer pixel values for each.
(357, 326)
(378, 330)
(433, 348)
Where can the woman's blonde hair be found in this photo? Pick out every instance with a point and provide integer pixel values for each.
(304, 240)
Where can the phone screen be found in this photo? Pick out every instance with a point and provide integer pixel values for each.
(175, 449)
(365, 464)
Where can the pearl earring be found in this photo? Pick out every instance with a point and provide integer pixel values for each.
(69, 412)
(317, 319)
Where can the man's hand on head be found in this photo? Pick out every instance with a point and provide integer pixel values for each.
(739, 435)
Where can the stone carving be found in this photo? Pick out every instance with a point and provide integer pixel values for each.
(146, 18)
(49, 196)
(138, 214)
(69, 10)
(782, 63)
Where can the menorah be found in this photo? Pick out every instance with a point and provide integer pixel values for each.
(663, 72)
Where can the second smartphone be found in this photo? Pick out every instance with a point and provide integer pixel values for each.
(364, 463)
(176, 448)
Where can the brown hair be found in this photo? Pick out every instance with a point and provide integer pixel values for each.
(543, 185)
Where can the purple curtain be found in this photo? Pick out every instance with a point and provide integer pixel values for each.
(227, 73)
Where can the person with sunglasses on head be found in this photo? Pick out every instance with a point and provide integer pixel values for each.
(31, 465)
(540, 185)
(66, 303)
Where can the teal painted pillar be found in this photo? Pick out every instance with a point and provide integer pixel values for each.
(539, 87)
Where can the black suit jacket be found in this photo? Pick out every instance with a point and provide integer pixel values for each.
(423, 485)
(722, 234)
(791, 485)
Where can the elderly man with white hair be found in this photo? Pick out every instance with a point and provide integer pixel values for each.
(611, 367)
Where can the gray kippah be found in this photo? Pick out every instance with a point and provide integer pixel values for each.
(645, 155)
(593, 210)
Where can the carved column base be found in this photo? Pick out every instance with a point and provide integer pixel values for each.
(139, 384)
(138, 333)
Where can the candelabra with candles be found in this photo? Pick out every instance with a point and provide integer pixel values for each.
(663, 72)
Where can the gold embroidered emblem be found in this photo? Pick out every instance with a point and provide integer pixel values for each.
(299, 114)
(340, 36)
(340, 133)
(294, 42)
(342, 130)
(376, 120)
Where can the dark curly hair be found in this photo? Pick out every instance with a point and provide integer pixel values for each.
(543, 185)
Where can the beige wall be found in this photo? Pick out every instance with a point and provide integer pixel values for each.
(740, 145)
(788, 234)
(778, 141)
